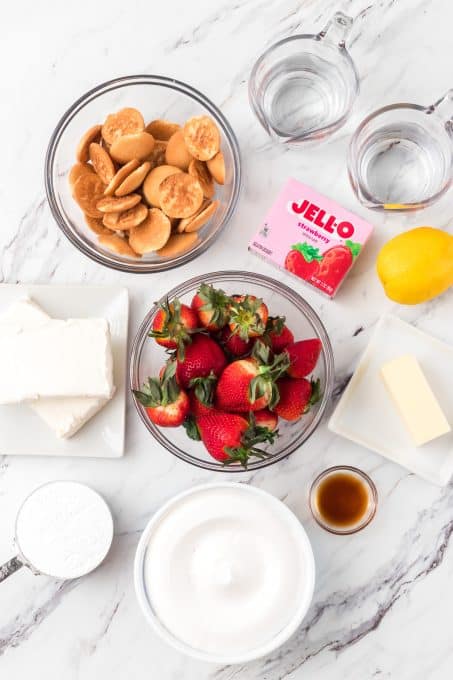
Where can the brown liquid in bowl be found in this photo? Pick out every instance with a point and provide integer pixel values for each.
(342, 499)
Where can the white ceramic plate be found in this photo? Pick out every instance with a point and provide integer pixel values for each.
(22, 432)
(366, 415)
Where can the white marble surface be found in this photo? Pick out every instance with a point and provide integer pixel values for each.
(383, 600)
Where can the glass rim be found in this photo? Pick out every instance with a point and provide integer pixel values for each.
(319, 132)
(112, 260)
(373, 499)
(274, 286)
(362, 193)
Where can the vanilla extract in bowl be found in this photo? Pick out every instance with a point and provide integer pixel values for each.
(343, 500)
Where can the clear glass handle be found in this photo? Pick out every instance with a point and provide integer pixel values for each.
(443, 107)
(337, 28)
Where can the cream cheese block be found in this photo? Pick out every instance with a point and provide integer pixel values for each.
(414, 399)
(65, 416)
(55, 359)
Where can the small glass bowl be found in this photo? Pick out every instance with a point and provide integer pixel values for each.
(372, 500)
(154, 97)
(147, 357)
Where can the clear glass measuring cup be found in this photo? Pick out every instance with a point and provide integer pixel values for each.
(401, 156)
(303, 87)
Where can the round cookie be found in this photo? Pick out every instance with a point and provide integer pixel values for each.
(88, 190)
(176, 152)
(216, 167)
(128, 147)
(102, 163)
(202, 137)
(120, 176)
(125, 122)
(151, 234)
(199, 170)
(117, 244)
(112, 204)
(178, 244)
(153, 181)
(162, 129)
(83, 147)
(133, 180)
(180, 195)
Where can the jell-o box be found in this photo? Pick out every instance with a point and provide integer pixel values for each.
(312, 237)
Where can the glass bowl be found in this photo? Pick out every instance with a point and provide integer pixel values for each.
(155, 97)
(147, 357)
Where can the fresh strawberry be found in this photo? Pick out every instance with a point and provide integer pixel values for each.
(277, 334)
(248, 316)
(266, 418)
(201, 358)
(166, 403)
(212, 306)
(250, 384)
(303, 356)
(230, 438)
(173, 325)
(234, 344)
(202, 395)
(303, 260)
(336, 262)
(296, 397)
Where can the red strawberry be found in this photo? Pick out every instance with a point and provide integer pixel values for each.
(303, 356)
(166, 404)
(202, 357)
(234, 344)
(230, 438)
(212, 306)
(296, 397)
(303, 260)
(173, 325)
(249, 384)
(277, 334)
(336, 262)
(266, 418)
(248, 316)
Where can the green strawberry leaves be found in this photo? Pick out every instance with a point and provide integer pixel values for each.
(215, 301)
(204, 388)
(316, 394)
(160, 391)
(269, 372)
(308, 252)
(355, 248)
(191, 428)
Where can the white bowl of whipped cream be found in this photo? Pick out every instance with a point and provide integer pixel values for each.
(224, 572)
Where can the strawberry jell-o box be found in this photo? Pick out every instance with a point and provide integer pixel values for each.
(312, 237)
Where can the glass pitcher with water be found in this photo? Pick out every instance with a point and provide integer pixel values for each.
(401, 156)
(303, 87)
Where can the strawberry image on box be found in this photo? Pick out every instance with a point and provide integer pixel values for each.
(312, 237)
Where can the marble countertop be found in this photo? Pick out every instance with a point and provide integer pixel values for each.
(383, 599)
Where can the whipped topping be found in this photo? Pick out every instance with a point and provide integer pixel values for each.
(225, 570)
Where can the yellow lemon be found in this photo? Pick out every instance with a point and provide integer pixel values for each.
(417, 265)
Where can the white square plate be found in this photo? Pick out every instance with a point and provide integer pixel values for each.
(367, 416)
(22, 432)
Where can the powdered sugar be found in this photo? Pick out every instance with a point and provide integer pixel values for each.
(64, 529)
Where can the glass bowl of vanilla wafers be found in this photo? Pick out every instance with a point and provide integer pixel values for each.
(142, 173)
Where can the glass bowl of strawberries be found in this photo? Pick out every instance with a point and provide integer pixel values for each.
(231, 370)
